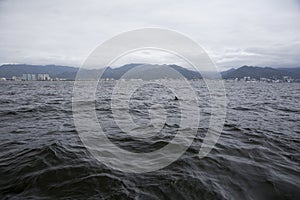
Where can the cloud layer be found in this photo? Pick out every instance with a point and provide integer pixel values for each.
(234, 33)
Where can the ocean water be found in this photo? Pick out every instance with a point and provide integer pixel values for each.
(257, 155)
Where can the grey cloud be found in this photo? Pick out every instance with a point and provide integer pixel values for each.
(260, 32)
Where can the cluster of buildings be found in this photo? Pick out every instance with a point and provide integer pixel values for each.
(33, 77)
(286, 79)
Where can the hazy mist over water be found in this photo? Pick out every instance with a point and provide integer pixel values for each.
(256, 157)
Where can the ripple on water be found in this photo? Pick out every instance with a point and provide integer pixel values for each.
(256, 157)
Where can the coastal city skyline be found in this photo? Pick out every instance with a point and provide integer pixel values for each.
(244, 73)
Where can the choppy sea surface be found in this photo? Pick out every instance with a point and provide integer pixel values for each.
(257, 155)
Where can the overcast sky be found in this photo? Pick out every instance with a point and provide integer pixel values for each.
(233, 32)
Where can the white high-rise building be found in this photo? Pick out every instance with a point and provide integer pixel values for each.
(29, 77)
(24, 77)
(33, 77)
(46, 77)
(40, 77)
(43, 77)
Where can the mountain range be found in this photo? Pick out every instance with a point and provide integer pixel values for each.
(145, 71)
(261, 72)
